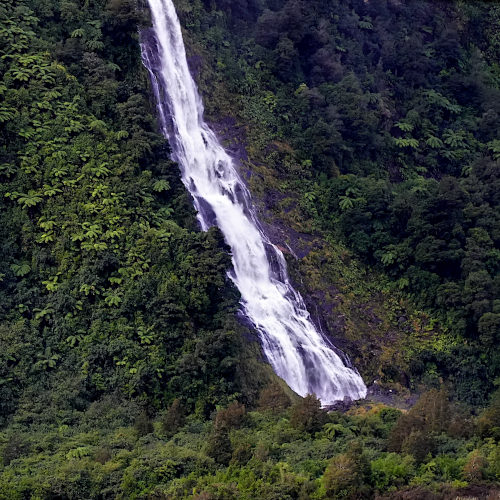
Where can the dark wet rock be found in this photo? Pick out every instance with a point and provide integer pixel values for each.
(232, 135)
(390, 397)
(195, 63)
(341, 406)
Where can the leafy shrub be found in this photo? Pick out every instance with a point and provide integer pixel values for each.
(307, 414)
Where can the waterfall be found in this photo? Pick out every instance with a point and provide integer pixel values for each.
(297, 351)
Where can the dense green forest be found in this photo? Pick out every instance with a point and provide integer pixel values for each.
(371, 129)
(377, 123)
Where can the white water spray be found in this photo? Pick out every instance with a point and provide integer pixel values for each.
(297, 351)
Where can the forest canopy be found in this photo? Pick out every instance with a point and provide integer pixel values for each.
(390, 112)
(125, 369)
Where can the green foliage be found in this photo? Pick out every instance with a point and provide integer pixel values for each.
(105, 281)
(273, 398)
(219, 446)
(230, 417)
(390, 101)
(143, 424)
(174, 418)
(118, 336)
(348, 474)
(261, 456)
(392, 471)
(415, 431)
(489, 420)
(307, 414)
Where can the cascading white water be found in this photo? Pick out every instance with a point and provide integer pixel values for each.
(297, 351)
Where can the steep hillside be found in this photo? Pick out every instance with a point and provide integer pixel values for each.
(368, 134)
(107, 288)
(369, 131)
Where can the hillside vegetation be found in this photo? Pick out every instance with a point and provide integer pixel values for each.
(374, 127)
(370, 131)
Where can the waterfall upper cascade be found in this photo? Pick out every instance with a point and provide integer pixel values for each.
(297, 351)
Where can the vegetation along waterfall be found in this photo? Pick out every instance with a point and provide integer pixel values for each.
(297, 351)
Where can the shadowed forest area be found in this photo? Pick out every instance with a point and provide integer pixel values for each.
(371, 129)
